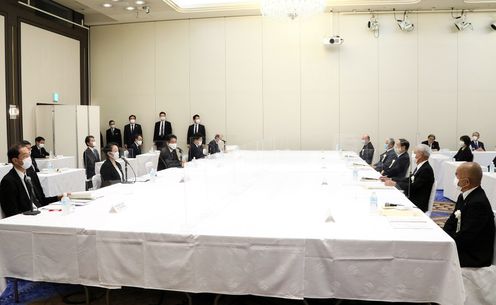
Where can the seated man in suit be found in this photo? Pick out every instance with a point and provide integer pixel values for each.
(162, 129)
(90, 156)
(387, 156)
(432, 143)
(113, 134)
(38, 151)
(196, 128)
(213, 146)
(111, 170)
(418, 186)
(401, 163)
(27, 144)
(464, 153)
(135, 148)
(476, 144)
(471, 224)
(170, 155)
(367, 152)
(196, 148)
(131, 130)
(20, 189)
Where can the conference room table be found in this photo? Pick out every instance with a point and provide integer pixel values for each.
(285, 224)
(57, 162)
(61, 181)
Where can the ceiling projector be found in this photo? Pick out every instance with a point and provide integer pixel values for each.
(333, 40)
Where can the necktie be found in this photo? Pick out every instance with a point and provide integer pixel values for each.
(112, 131)
(196, 128)
(161, 129)
(132, 128)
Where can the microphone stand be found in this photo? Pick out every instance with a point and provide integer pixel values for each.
(126, 163)
(32, 199)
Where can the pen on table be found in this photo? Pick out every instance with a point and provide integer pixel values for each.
(55, 210)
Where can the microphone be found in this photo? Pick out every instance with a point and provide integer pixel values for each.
(33, 198)
(126, 162)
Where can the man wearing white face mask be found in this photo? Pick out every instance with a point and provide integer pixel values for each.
(464, 153)
(162, 129)
(196, 128)
(38, 151)
(476, 144)
(131, 130)
(90, 157)
(367, 152)
(170, 155)
(135, 149)
(111, 170)
(20, 189)
(400, 164)
(387, 156)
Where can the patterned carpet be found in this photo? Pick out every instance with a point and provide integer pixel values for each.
(39, 293)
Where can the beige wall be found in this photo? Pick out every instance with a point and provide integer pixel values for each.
(258, 80)
(3, 95)
(49, 63)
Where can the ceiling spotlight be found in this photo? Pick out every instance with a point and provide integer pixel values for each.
(107, 5)
(115, 0)
(461, 22)
(404, 24)
(139, 2)
(493, 25)
(373, 25)
(130, 8)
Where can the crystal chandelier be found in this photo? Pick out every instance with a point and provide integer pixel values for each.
(291, 8)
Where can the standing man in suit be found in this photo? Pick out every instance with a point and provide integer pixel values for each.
(387, 156)
(170, 155)
(20, 189)
(476, 144)
(418, 186)
(471, 224)
(162, 129)
(114, 134)
(90, 157)
(135, 148)
(196, 128)
(367, 152)
(39, 151)
(401, 163)
(196, 148)
(432, 143)
(131, 130)
(214, 145)
(27, 144)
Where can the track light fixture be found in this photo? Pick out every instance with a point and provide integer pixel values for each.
(493, 25)
(373, 25)
(404, 24)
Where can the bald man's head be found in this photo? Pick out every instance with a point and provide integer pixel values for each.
(469, 175)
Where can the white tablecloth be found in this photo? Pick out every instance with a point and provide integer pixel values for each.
(57, 183)
(248, 223)
(489, 185)
(58, 162)
(449, 170)
(484, 158)
(4, 169)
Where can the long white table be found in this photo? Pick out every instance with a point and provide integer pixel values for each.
(64, 181)
(281, 224)
(57, 162)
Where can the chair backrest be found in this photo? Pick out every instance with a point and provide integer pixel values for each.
(148, 166)
(2, 215)
(96, 181)
(432, 197)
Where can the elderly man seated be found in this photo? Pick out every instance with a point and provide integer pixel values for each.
(367, 151)
(387, 156)
(418, 186)
(471, 224)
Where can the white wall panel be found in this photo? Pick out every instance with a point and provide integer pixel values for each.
(3, 95)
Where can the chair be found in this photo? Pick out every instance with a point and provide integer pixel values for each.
(148, 167)
(480, 283)
(96, 181)
(432, 197)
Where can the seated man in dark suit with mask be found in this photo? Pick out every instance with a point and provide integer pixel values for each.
(213, 146)
(367, 152)
(196, 148)
(471, 224)
(387, 156)
(170, 154)
(20, 189)
(401, 163)
(38, 150)
(418, 186)
(27, 144)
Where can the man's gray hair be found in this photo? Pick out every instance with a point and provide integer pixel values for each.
(425, 149)
(390, 141)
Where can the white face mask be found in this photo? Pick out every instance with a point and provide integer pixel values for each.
(385, 146)
(27, 163)
(197, 121)
(364, 142)
(173, 146)
(132, 121)
(162, 118)
(475, 138)
(92, 143)
(41, 145)
(397, 151)
(139, 143)
(115, 155)
(112, 126)
(461, 143)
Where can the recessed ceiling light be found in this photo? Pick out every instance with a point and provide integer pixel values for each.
(107, 5)
(130, 8)
(139, 2)
(116, 0)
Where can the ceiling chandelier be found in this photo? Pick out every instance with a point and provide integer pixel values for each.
(291, 8)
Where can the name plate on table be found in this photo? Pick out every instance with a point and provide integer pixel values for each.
(117, 208)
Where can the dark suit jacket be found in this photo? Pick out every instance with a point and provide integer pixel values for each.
(418, 190)
(367, 153)
(478, 145)
(464, 154)
(109, 173)
(13, 196)
(39, 153)
(89, 160)
(213, 148)
(159, 140)
(435, 145)
(475, 239)
(399, 166)
(35, 165)
(116, 137)
(134, 150)
(201, 130)
(128, 136)
(195, 152)
(385, 160)
(168, 159)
